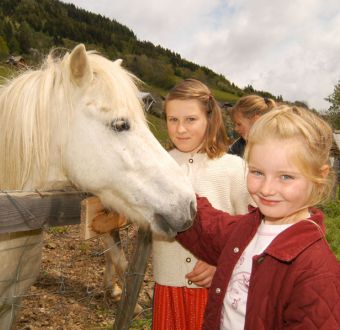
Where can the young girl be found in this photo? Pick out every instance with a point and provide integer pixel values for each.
(196, 130)
(244, 114)
(275, 269)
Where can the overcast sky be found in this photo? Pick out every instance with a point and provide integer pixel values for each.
(286, 47)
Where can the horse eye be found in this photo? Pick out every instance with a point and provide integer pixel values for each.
(120, 125)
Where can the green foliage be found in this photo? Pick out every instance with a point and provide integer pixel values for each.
(143, 321)
(4, 50)
(333, 113)
(5, 73)
(58, 230)
(332, 213)
(25, 37)
(32, 27)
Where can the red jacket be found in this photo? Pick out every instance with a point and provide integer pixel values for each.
(294, 283)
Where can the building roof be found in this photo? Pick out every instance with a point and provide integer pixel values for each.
(147, 99)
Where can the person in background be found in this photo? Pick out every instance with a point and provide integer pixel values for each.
(244, 114)
(275, 269)
(198, 138)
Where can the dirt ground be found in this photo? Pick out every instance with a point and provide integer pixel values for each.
(69, 294)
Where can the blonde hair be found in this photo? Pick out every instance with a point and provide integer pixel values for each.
(216, 141)
(251, 105)
(314, 136)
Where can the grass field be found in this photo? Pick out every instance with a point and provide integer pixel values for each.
(158, 128)
(332, 212)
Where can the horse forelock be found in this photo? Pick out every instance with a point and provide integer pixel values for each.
(121, 84)
(29, 103)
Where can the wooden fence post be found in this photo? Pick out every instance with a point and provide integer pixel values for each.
(134, 280)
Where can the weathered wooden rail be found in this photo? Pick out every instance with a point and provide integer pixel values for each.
(21, 211)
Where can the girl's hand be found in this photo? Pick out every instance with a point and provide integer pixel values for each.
(202, 274)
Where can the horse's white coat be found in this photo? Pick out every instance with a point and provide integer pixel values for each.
(56, 125)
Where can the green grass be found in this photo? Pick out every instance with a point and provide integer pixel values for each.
(225, 96)
(143, 321)
(58, 230)
(158, 128)
(332, 220)
(5, 72)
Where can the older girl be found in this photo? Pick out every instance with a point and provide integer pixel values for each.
(275, 269)
(196, 130)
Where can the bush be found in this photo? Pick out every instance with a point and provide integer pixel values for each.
(332, 221)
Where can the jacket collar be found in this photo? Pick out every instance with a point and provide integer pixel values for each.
(295, 239)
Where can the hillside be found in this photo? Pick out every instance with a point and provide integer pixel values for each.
(32, 27)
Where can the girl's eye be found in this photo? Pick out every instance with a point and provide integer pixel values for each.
(172, 120)
(255, 172)
(286, 177)
(191, 119)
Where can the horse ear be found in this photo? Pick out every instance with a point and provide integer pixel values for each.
(79, 65)
(118, 62)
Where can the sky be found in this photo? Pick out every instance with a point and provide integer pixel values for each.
(286, 47)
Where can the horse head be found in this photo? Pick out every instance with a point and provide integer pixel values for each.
(79, 119)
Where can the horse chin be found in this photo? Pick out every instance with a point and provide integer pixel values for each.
(162, 226)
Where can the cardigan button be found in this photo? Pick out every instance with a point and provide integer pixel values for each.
(188, 259)
(189, 282)
(191, 160)
(218, 290)
(236, 250)
(259, 260)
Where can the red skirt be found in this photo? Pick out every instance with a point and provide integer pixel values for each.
(178, 308)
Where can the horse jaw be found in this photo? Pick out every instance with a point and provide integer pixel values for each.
(137, 178)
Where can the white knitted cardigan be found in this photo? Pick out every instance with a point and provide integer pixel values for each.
(222, 181)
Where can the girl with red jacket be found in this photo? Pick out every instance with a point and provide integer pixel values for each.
(275, 269)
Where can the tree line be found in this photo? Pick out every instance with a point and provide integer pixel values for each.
(31, 28)
(27, 25)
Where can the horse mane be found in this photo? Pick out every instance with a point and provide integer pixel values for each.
(36, 98)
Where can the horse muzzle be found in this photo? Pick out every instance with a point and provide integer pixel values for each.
(173, 223)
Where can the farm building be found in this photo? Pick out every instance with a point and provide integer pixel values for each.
(17, 61)
(148, 100)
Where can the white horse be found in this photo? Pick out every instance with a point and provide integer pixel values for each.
(78, 120)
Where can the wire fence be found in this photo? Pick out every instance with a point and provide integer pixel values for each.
(69, 294)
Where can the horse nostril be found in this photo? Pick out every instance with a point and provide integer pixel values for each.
(192, 210)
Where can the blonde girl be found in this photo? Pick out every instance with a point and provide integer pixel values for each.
(196, 130)
(244, 114)
(275, 269)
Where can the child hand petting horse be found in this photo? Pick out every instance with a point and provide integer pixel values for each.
(275, 269)
(196, 130)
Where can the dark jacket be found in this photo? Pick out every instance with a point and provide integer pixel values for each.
(237, 148)
(294, 284)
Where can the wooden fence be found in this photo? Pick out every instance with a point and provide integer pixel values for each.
(24, 211)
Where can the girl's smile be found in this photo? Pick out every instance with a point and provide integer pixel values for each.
(277, 185)
(268, 202)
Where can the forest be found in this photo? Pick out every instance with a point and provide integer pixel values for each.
(30, 28)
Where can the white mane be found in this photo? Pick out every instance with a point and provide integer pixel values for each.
(30, 102)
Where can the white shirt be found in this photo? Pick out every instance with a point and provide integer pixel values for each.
(235, 300)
